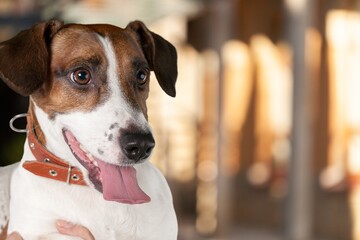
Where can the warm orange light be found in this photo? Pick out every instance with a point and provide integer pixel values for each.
(207, 189)
(273, 108)
(295, 6)
(238, 84)
(343, 35)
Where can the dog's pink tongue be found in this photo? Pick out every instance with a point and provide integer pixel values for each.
(120, 184)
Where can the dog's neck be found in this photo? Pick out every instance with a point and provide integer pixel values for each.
(48, 134)
(39, 161)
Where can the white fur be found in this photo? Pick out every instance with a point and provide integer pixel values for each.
(37, 202)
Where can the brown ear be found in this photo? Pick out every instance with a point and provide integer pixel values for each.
(160, 54)
(24, 59)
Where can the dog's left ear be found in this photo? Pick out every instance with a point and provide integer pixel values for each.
(24, 59)
(159, 53)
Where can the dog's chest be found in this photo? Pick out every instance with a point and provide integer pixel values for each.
(49, 200)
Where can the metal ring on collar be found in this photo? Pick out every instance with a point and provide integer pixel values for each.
(11, 123)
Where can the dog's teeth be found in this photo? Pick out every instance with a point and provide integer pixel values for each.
(88, 155)
(82, 148)
(91, 158)
(95, 163)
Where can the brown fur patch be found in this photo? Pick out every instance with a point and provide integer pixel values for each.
(130, 59)
(78, 46)
(73, 48)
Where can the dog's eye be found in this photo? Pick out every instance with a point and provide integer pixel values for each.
(81, 76)
(142, 77)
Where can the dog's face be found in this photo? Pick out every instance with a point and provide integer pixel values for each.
(88, 86)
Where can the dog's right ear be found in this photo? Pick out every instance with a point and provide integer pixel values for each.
(160, 54)
(24, 59)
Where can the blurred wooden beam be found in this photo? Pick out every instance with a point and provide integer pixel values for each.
(299, 206)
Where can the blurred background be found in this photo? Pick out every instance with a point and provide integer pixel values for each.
(263, 139)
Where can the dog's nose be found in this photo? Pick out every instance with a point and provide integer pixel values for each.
(137, 146)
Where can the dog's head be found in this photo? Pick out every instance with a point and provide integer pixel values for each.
(88, 86)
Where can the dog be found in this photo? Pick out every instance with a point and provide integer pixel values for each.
(88, 139)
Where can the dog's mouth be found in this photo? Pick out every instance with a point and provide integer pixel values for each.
(116, 183)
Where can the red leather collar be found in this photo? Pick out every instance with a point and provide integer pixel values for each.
(47, 164)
